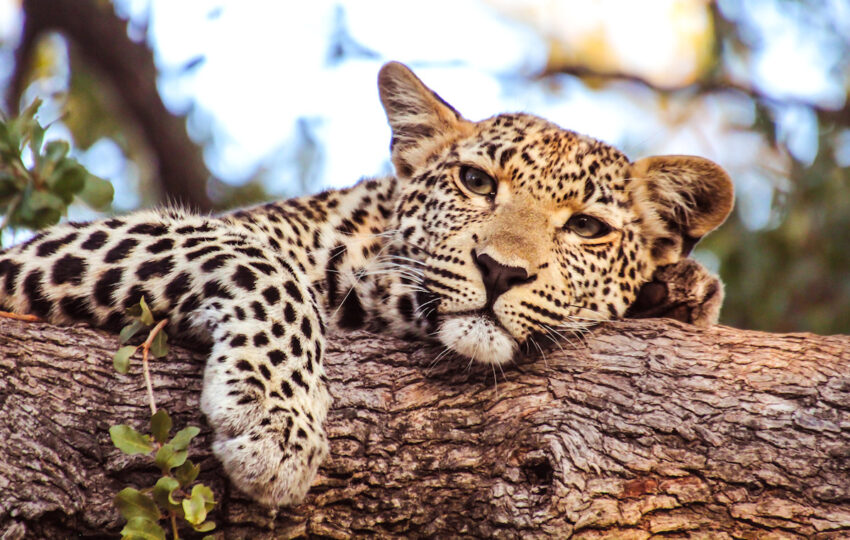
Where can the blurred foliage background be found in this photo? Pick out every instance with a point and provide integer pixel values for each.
(215, 104)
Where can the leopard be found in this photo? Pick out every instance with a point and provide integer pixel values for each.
(488, 234)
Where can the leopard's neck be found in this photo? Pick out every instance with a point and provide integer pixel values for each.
(343, 242)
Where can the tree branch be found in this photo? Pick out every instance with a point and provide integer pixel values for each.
(101, 38)
(653, 426)
(712, 85)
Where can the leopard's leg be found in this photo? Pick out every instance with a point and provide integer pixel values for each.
(685, 291)
(264, 389)
(264, 393)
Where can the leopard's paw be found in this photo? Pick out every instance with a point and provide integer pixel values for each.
(274, 465)
(685, 291)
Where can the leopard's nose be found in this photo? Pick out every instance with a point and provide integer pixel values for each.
(499, 278)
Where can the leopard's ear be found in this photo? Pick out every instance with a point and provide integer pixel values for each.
(419, 118)
(682, 199)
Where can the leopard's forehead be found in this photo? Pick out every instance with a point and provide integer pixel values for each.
(538, 157)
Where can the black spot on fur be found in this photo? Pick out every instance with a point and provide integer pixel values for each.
(299, 380)
(161, 245)
(353, 315)
(266, 269)
(96, 240)
(245, 278)
(11, 269)
(306, 327)
(276, 356)
(272, 295)
(200, 252)
(289, 313)
(335, 257)
(259, 311)
(214, 289)
(293, 292)
(157, 267)
(244, 365)
(178, 286)
(190, 304)
(277, 330)
(120, 252)
(76, 308)
(238, 340)
(39, 304)
(261, 339)
(405, 307)
(286, 388)
(264, 371)
(507, 154)
(106, 286)
(45, 249)
(295, 346)
(68, 269)
(150, 229)
(216, 262)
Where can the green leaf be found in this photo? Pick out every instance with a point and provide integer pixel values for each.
(97, 192)
(206, 526)
(160, 425)
(36, 140)
(187, 473)
(40, 209)
(130, 330)
(183, 437)
(134, 311)
(141, 528)
(163, 491)
(121, 360)
(195, 507)
(146, 316)
(169, 457)
(130, 441)
(159, 347)
(55, 151)
(28, 114)
(69, 181)
(205, 493)
(9, 184)
(132, 503)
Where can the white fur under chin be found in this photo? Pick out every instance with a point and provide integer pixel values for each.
(477, 337)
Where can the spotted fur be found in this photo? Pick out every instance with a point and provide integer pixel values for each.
(416, 254)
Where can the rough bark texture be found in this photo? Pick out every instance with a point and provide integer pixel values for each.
(652, 427)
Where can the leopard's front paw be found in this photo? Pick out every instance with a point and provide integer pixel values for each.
(274, 465)
(684, 291)
(270, 442)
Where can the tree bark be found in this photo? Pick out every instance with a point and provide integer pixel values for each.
(646, 427)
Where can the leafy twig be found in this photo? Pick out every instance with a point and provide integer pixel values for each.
(145, 368)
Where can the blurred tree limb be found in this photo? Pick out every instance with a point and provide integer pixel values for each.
(709, 85)
(100, 37)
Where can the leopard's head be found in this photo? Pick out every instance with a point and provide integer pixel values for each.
(513, 227)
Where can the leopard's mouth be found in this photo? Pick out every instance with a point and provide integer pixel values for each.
(478, 336)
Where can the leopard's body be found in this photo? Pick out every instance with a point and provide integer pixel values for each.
(551, 231)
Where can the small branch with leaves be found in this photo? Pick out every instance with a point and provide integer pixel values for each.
(173, 497)
(39, 181)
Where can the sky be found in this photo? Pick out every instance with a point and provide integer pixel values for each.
(268, 68)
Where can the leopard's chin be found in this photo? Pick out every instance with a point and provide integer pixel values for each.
(477, 337)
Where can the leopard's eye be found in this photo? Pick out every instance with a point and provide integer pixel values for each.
(478, 181)
(587, 226)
